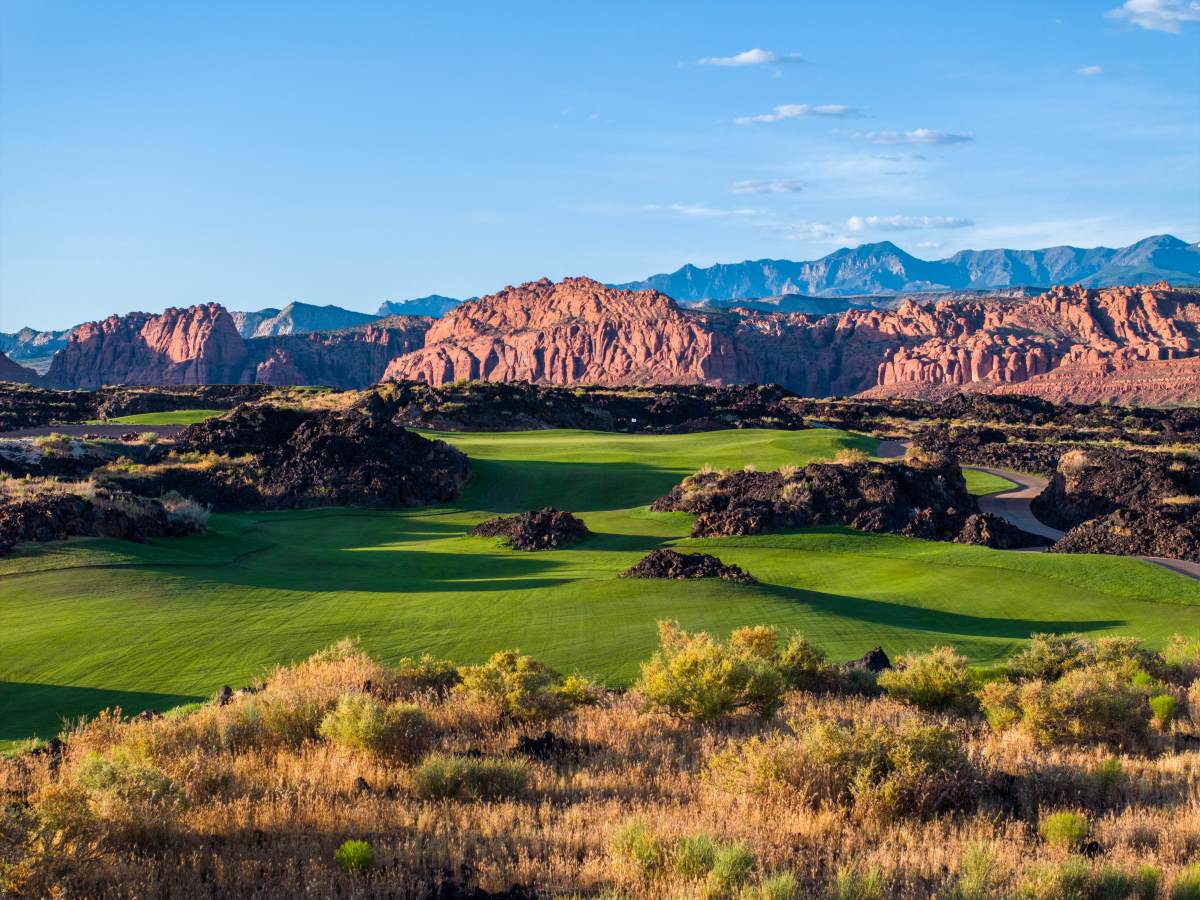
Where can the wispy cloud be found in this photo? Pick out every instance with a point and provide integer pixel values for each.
(810, 231)
(753, 57)
(700, 211)
(919, 136)
(1158, 15)
(905, 223)
(767, 187)
(1088, 71)
(802, 111)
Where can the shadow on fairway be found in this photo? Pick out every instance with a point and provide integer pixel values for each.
(860, 609)
(512, 485)
(40, 708)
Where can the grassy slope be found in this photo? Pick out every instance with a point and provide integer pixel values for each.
(171, 417)
(980, 483)
(95, 622)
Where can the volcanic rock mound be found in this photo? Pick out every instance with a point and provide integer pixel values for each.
(541, 529)
(665, 563)
(54, 515)
(927, 500)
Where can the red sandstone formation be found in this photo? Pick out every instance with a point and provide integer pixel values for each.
(197, 345)
(201, 345)
(580, 331)
(575, 332)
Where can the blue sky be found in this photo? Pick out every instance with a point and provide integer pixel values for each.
(163, 154)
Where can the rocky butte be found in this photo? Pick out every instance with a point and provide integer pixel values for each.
(581, 332)
(201, 345)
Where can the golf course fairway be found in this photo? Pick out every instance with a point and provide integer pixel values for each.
(95, 623)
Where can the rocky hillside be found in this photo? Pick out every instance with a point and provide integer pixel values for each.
(581, 332)
(201, 345)
(11, 371)
(301, 318)
(883, 268)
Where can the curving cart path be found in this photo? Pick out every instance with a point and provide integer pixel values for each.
(1013, 505)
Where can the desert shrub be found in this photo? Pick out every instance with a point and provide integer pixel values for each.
(875, 769)
(445, 777)
(1186, 884)
(640, 846)
(520, 686)
(694, 676)
(1089, 705)
(1064, 830)
(805, 666)
(937, 680)
(732, 867)
(425, 674)
(1181, 658)
(354, 857)
(578, 690)
(149, 438)
(361, 722)
(1001, 704)
(1107, 773)
(1075, 879)
(1050, 656)
(1163, 708)
(848, 456)
(186, 512)
(783, 886)
(855, 882)
(693, 856)
(119, 774)
(979, 877)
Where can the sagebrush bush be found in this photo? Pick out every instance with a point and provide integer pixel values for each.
(732, 867)
(1065, 830)
(697, 677)
(1076, 879)
(118, 773)
(782, 886)
(426, 674)
(979, 876)
(445, 777)
(693, 856)
(1163, 708)
(856, 882)
(849, 456)
(638, 845)
(1050, 656)
(1089, 705)
(879, 770)
(1181, 657)
(186, 512)
(939, 680)
(521, 687)
(354, 857)
(361, 722)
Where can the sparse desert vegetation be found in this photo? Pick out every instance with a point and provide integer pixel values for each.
(342, 776)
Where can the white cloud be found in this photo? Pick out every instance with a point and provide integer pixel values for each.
(809, 231)
(802, 111)
(905, 223)
(1158, 15)
(767, 187)
(1088, 71)
(700, 211)
(917, 136)
(754, 57)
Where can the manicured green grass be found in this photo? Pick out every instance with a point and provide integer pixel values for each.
(981, 483)
(171, 417)
(96, 622)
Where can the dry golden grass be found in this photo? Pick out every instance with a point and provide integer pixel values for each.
(246, 799)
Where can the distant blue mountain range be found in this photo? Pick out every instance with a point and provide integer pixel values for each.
(884, 268)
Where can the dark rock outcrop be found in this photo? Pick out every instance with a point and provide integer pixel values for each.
(54, 515)
(1124, 502)
(304, 458)
(665, 563)
(541, 529)
(927, 500)
(874, 660)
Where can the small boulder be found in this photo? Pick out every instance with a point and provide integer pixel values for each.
(874, 660)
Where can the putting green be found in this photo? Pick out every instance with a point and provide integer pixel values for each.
(93, 623)
(170, 417)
